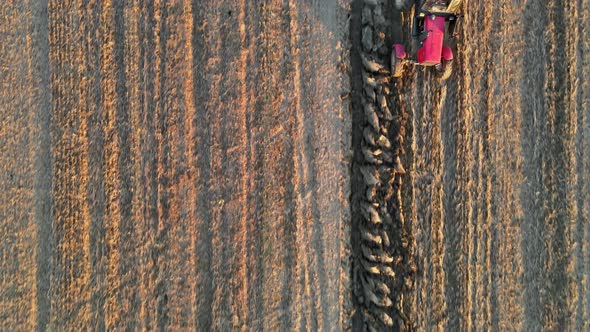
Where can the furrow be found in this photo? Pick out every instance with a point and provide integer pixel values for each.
(456, 159)
(131, 162)
(113, 182)
(93, 168)
(201, 155)
(219, 315)
(534, 138)
(274, 144)
(255, 270)
(40, 141)
(149, 28)
(558, 168)
(70, 273)
(175, 237)
(505, 257)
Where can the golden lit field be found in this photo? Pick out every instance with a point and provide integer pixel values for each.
(173, 165)
(252, 165)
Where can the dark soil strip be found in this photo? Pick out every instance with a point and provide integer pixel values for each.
(42, 161)
(533, 138)
(356, 180)
(202, 151)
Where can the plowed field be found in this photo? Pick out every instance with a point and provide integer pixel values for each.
(251, 165)
(499, 181)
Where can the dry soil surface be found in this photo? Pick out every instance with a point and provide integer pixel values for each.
(499, 186)
(193, 165)
(174, 165)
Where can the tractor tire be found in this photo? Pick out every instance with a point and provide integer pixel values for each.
(397, 65)
(447, 69)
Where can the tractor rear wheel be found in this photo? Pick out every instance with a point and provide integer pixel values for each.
(397, 65)
(445, 70)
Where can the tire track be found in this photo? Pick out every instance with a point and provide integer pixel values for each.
(70, 269)
(128, 266)
(256, 309)
(130, 161)
(220, 315)
(507, 177)
(455, 122)
(559, 183)
(232, 165)
(485, 222)
(407, 194)
(479, 216)
(40, 141)
(330, 167)
(118, 234)
(290, 130)
(139, 108)
(427, 218)
(314, 252)
(304, 160)
(202, 86)
(533, 137)
(136, 50)
(176, 240)
(272, 135)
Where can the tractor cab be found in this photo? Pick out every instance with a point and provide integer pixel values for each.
(431, 35)
(432, 21)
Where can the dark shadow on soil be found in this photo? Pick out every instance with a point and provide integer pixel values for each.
(356, 181)
(533, 129)
(559, 166)
(202, 150)
(43, 201)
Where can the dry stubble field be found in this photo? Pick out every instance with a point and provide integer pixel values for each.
(191, 165)
(173, 165)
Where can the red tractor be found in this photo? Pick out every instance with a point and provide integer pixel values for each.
(430, 20)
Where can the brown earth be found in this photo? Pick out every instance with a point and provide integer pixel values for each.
(499, 184)
(193, 165)
(174, 165)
